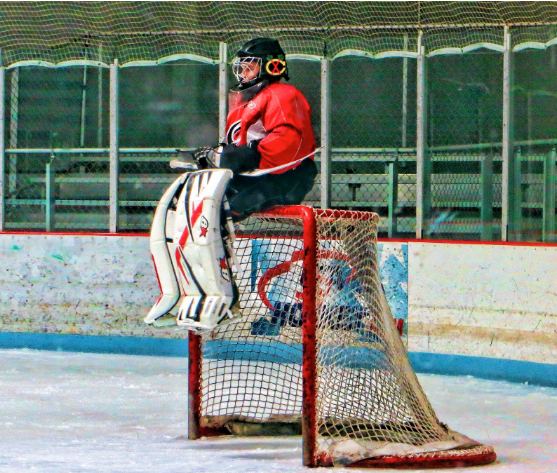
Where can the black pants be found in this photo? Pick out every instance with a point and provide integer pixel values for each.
(247, 195)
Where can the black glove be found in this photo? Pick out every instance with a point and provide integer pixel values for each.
(239, 158)
(254, 144)
(204, 157)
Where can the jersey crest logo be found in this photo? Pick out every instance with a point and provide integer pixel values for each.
(233, 133)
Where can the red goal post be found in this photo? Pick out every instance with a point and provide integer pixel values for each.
(317, 351)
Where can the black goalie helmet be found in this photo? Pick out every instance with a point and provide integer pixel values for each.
(258, 59)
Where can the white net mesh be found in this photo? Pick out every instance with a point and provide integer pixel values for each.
(369, 403)
(56, 32)
(252, 368)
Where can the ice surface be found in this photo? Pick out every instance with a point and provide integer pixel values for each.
(74, 413)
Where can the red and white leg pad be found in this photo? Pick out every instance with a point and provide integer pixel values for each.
(199, 259)
(163, 251)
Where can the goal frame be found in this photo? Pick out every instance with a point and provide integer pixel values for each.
(309, 278)
(312, 457)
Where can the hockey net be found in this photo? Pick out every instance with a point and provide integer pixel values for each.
(152, 33)
(317, 351)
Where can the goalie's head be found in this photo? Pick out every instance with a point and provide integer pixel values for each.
(258, 59)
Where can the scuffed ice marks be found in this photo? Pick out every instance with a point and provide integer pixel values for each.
(84, 413)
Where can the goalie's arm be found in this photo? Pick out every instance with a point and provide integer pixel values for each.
(238, 159)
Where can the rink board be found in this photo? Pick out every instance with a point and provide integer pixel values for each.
(483, 300)
(477, 301)
(106, 284)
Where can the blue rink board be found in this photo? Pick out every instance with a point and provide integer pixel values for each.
(452, 365)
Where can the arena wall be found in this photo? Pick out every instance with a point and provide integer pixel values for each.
(483, 309)
(483, 300)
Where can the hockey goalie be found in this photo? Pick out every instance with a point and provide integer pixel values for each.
(266, 160)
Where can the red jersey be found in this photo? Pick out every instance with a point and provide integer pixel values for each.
(280, 117)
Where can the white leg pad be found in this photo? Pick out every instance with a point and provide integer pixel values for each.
(163, 252)
(189, 309)
(199, 247)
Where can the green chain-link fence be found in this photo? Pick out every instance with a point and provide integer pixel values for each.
(464, 124)
(535, 131)
(482, 173)
(49, 109)
(58, 112)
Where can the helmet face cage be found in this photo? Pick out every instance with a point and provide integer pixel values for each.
(243, 66)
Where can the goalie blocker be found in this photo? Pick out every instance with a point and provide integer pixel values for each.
(191, 246)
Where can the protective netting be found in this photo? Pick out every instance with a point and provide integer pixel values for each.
(52, 115)
(56, 127)
(171, 105)
(56, 32)
(369, 403)
(252, 368)
(464, 135)
(372, 105)
(533, 199)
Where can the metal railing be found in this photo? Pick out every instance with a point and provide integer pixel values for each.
(385, 182)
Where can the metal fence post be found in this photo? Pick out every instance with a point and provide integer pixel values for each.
(83, 108)
(2, 145)
(113, 178)
(515, 195)
(223, 90)
(393, 197)
(404, 94)
(549, 197)
(14, 117)
(423, 171)
(100, 103)
(507, 153)
(50, 199)
(486, 191)
(325, 133)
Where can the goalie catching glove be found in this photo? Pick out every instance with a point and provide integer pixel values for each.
(200, 158)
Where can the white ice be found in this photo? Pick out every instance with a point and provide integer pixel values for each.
(75, 413)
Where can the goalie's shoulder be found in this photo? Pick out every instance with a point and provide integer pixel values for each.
(282, 89)
(282, 93)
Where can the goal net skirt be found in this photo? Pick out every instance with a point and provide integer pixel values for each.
(317, 352)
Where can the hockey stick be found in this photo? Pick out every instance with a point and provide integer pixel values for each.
(262, 172)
